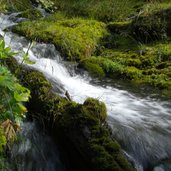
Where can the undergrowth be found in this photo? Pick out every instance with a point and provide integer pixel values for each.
(12, 95)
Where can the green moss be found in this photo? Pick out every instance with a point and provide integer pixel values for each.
(97, 108)
(3, 6)
(30, 14)
(83, 125)
(74, 37)
(133, 73)
(48, 5)
(149, 65)
(106, 10)
(94, 69)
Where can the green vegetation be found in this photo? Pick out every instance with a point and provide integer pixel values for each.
(12, 93)
(46, 4)
(30, 14)
(2, 141)
(106, 10)
(14, 5)
(75, 38)
(11, 103)
(135, 49)
(123, 39)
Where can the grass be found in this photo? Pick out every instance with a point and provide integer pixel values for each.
(151, 8)
(106, 10)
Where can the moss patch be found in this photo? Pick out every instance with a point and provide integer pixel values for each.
(74, 37)
(150, 65)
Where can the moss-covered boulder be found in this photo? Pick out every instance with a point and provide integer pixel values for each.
(75, 38)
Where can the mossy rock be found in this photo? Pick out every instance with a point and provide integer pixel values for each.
(83, 128)
(97, 109)
(94, 69)
(74, 38)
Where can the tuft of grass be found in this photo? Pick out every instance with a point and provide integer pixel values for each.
(154, 7)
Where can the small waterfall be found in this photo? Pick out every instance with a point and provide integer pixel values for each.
(141, 125)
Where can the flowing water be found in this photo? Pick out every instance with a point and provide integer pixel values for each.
(35, 151)
(141, 124)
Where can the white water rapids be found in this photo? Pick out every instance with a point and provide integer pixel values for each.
(142, 125)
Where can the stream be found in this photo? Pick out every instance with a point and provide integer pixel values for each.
(142, 125)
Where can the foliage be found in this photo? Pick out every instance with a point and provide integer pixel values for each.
(9, 129)
(3, 6)
(12, 94)
(47, 4)
(149, 28)
(2, 141)
(15, 5)
(134, 45)
(12, 97)
(5, 52)
(106, 10)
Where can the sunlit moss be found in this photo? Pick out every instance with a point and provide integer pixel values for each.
(30, 14)
(74, 37)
